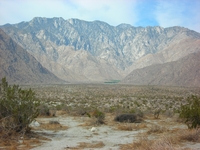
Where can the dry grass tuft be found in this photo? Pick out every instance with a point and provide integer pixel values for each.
(53, 125)
(89, 122)
(16, 142)
(144, 143)
(131, 126)
(189, 135)
(140, 126)
(156, 129)
(165, 143)
(61, 112)
(125, 127)
(141, 144)
(83, 145)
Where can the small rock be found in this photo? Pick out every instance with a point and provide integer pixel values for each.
(93, 129)
(34, 124)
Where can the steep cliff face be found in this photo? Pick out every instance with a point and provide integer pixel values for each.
(18, 66)
(77, 50)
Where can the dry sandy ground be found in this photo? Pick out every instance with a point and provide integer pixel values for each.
(78, 134)
(104, 136)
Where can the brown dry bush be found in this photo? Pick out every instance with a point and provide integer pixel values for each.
(84, 145)
(44, 110)
(144, 143)
(125, 127)
(15, 142)
(164, 143)
(131, 118)
(189, 135)
(53, 125)
(97, 117)
(156, 129)
(131, 127)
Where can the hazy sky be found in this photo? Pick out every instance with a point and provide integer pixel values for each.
(144, 13)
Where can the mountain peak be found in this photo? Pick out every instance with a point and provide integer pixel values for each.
(111, 52)
(44, 20)
(124, 26)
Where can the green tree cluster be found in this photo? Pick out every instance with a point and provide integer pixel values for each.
(18, 108)
(190, 112)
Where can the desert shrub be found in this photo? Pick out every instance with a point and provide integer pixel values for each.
(100, 116)
(190, 135)
(44, 110)
(190, 112)
(131, 118)
(139, 113)
(79, 111)
(157, 113)
(59, 107)
(169, 113)
(18, 108)
(52, 112)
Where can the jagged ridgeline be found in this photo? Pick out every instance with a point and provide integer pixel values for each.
(81, 51)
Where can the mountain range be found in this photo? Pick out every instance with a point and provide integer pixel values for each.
(18, 66)
(80, 51)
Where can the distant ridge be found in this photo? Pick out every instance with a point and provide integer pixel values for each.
(183, 72)
(82, 51)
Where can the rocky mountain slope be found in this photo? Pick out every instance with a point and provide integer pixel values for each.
(77, 50)
(174, 52)
(183, 72)
(18, 66)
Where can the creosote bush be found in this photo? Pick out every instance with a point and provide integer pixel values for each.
(18, 108)
(191, 112)
(100, 116)
(131, 118)
(44, 110)
(157, 113)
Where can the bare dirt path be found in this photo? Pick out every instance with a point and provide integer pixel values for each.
(104, 136)
(75, 133)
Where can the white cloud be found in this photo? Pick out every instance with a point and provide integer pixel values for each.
(178, 13)
(112, 11)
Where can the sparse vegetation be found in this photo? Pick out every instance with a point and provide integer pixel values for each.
(190, 135)
(121, 103)
(131, 118)
(98, 115)
(18, 109)
(156, 129)
(157, 113)
(53, 125)
(190, 112)
(164, 143)
(83, 145)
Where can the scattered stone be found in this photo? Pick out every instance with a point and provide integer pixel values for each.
(34, 124)
(93, 129)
